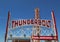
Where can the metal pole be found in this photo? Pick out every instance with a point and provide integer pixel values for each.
(7, 26)
(54, 26)
(36, 27)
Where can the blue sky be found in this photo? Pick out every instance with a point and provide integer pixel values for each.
(24, 9)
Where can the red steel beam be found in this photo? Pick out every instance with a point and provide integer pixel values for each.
(44, 37)
(54, 23)
(7, 25)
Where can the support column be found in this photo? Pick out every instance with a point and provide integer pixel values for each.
(54, 27)
(7, 26)
(36, 27)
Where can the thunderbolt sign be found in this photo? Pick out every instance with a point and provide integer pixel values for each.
(46, 23)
